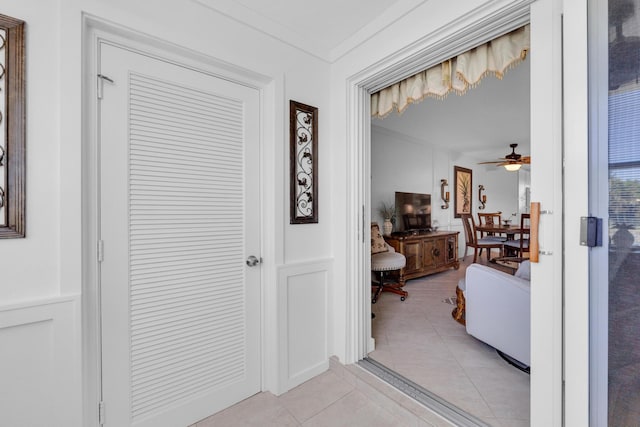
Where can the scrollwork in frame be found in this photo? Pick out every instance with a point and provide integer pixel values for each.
(303, 142)
(13, 140)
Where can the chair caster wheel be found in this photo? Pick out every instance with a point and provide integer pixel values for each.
(402, 298)
(373, 301)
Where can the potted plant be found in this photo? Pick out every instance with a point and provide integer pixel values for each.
(463, 186)
(623, 238)
(388, 212)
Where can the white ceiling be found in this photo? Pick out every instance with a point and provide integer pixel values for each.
(326, 29)
(483, 122)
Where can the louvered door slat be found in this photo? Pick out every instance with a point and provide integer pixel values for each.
(186, 208)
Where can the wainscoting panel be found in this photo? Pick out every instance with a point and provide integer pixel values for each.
(303, 295)
(40, 364)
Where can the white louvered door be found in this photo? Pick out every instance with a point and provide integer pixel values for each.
(179, 214)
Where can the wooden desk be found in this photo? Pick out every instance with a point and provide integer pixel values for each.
(426, 253)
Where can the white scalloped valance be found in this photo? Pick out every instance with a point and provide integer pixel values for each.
(456, 74)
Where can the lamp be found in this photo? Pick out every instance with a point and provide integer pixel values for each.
(512, 167)
(444, 195)
(481, 197)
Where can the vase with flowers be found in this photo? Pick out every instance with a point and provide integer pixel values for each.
(388, 213)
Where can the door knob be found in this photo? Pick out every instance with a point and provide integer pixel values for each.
(253, 261)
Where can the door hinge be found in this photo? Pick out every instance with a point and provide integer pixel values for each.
(101, 412)
(100, 250)
(101, 79)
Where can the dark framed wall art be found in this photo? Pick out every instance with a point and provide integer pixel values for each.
(303, 163)
(13, 125)
(463, 183)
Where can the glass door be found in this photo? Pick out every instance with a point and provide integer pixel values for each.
(615, 196)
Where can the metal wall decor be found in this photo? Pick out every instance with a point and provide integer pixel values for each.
(482, 198)
(12, 128)
(303, 141)
(444, 195)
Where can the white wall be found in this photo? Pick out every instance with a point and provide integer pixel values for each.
(30, 266)
(402, 163)
(501, 188)
(47, 264)
(399, 163)
(54, 37)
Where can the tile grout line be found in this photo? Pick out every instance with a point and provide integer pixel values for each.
(301, 422)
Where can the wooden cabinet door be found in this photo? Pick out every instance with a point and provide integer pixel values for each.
(434, 252)
(451, 249)
(428, 247)
(440, 253)
(413, 253)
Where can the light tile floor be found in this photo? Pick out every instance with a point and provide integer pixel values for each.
(343, 396)
(419, 339)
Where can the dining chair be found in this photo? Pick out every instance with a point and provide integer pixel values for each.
(521, 245)
(490, 218)
(472, 240)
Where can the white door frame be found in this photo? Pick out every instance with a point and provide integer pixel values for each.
(95, 29)
(478, 26)
(576, 204)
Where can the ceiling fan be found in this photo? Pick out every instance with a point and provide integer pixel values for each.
(512, 161)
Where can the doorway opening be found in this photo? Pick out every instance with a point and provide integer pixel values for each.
(546, 390)
(413, 152)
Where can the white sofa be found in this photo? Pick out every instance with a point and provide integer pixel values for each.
(497, 309)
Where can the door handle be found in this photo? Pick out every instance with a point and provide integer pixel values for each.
(534, 244)
(253, 261)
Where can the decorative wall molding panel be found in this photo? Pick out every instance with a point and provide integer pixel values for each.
(303, 321)
(40, 363)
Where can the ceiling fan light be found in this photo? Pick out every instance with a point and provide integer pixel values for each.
(512, 167)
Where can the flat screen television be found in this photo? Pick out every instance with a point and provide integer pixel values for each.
(413, 211)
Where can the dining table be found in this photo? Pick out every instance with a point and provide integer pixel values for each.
(510, 230)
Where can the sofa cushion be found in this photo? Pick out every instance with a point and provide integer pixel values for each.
(377, 241)
(524, 271)
(497, 310)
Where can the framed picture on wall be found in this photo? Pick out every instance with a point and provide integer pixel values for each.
(12, 121)
(303, 140)
(463, 183)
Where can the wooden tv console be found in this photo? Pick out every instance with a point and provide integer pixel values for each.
(426, 252)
